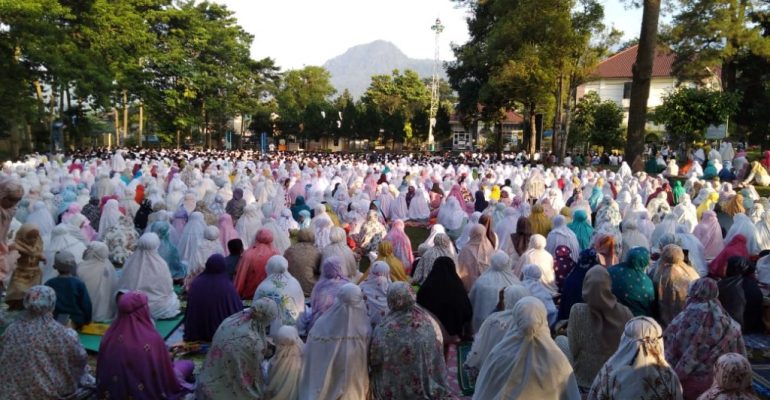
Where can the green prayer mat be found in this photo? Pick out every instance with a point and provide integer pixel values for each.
(467, 385)
(165, 328)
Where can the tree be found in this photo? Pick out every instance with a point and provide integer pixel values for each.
(300, 90)
(597, 123)
(442, 130)
(687, 112)
(642, 77)
(711, 34)
(402, 99)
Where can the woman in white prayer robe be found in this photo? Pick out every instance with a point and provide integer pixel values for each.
(61, 239)
(192, 237)
(485, 293)
(336, 352)
(494, 328)
(561, 235)
(527, 363)
(248, 225)
(146, 270)
(98, 274)
(742, 225)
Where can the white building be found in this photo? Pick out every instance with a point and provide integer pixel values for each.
(463, 139)
(612, 80)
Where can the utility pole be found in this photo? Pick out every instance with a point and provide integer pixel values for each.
(437, 28)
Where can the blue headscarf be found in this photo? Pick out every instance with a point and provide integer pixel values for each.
(596, 197)
(167, 250)
(582, 229)
(631, 285)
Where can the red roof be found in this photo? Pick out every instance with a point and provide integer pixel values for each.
(619, 65)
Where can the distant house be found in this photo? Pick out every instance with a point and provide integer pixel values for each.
(464, 139)
(612, 79)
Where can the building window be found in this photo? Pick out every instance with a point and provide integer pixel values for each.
(336, 142)
(627, 90)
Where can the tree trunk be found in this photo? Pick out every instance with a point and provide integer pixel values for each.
(567, 122)
(557, 134)
(640, 86)
(499, 129)
(125, 114)
(531, 146)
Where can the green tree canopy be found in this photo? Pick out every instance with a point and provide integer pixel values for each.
(687, 112)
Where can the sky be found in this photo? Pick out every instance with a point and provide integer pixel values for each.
(308, 32)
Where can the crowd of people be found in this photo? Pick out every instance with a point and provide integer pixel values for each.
(298, 272)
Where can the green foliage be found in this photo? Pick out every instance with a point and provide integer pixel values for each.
(597, 123)
(303, 100)
(687, 112)
(711, 34)
(402, 100)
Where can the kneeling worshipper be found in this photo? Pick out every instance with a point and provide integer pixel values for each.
(595, 327)
(29, 244)
(631, 285)
(233, 369)
(444, 296)
(40, 358)
(206, 248)
(325, 291)
(72, 299)
(671, 280)
(251, 267)
(285, 368)
(475, 256)
(339, 248)
(127, 371)
(375, 290)
(402, 246)
(210, 300)
(638, 369)
(696, 338)
(532, 279)
(732, 379)
(304, 260)
(485, 293)
(385, 254)
(527, 364)
(405, 356)
(442, 247)
(572, 291)
(284, 290)
(339, 340)
(145, 270)
(168, 251)
(98, 274)
(493, 329)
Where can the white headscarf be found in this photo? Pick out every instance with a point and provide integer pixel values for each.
(451, 215)
(495, 327)
(561, 235)
(742, 225)
(110, 216)
(98, 274)
(286, 365)
(485, 292)
(375, 291)
(284, 289)
(339, 341)
(527, 364)
(538, 255)
(192, 237)
(338, 247)
(61, 239)
(398, 209)
(466, 236)
(248, 225)
(41, 217)
(638, 361)
(694, 248)
(146, 270)
(418, 207)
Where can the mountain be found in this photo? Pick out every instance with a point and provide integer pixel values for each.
(353, 69)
